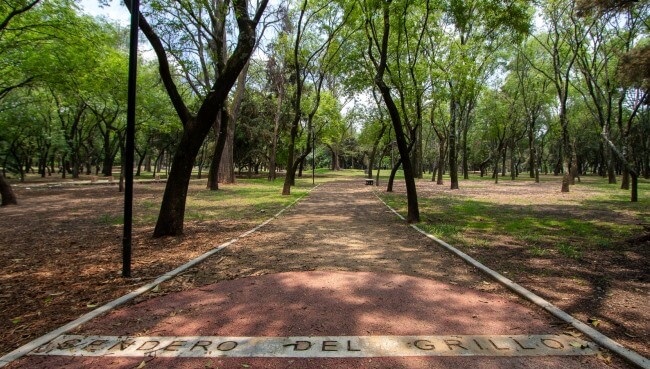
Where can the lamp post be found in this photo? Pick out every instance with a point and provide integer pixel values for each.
(130, 141)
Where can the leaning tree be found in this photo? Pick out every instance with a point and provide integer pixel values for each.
(198, 121)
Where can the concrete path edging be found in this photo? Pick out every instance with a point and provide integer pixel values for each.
(602, 340)
(40, 341)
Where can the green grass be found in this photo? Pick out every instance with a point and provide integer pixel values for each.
(110, 219)
(538, 251)
(248, 200)
(568, 250)
(598, 217)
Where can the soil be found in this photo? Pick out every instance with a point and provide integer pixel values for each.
(60, 258)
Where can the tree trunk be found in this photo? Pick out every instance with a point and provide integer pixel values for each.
(532, 157)
(575, 170)
(413, 212)
(196, 127)
(222, 136)
(418, 152)
(391, 178)
(336, 160)
(107, 163)
(140, 161)
(625, 179)
(375, 147)
(227, 164)
(274, 143)
(503, 161)
(441, 161)
(301, 166)
(465, 165)
(513, 163)
(453, 157)
(8, 195)
(290, 176)
(495, 174)
(172, 210)
(566, 149)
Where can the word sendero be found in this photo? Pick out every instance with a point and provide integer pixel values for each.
(312, 347)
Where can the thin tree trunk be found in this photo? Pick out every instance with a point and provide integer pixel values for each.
(453, 157)
(227, 164)
(8, 195)
(391, 178)
(274, 143)
(222, 136)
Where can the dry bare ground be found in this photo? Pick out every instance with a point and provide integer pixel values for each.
(60, 257)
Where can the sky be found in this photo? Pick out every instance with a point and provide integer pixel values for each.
(116, 11)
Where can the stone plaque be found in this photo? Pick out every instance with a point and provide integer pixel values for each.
(313, 347)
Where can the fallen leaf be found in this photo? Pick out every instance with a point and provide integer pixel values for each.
(142, 365)
(593, 321)
(156, 289)
(573, 334)
(579, 345)
(604, 357)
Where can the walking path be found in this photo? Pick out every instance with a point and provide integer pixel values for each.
(335, 282)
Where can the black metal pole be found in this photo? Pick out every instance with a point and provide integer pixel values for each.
(313, 156)
(128, 159)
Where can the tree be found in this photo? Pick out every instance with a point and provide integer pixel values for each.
(25, 27)
(378, 54)
(482, 31)
(196, 125)
(561, 44)
(222, 168)
(533, 91)
(372, 135)
(610, 91)
(313, 55)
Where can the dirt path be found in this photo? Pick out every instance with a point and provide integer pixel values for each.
(341, 226)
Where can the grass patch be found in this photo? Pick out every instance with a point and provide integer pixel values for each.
(568, 250)
(110, 219)
(538, 251)
(248, 200)
(594, 216)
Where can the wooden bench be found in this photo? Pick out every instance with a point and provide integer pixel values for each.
(369, 181)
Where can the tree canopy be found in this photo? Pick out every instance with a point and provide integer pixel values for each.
(462, 88)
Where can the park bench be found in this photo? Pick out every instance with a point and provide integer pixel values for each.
(369, 181)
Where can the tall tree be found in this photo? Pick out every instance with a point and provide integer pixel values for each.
(533, 91)
(561, 43)
(25, 28)
(378, 44)
(312, 57)
(196, 125)
(482, 30)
